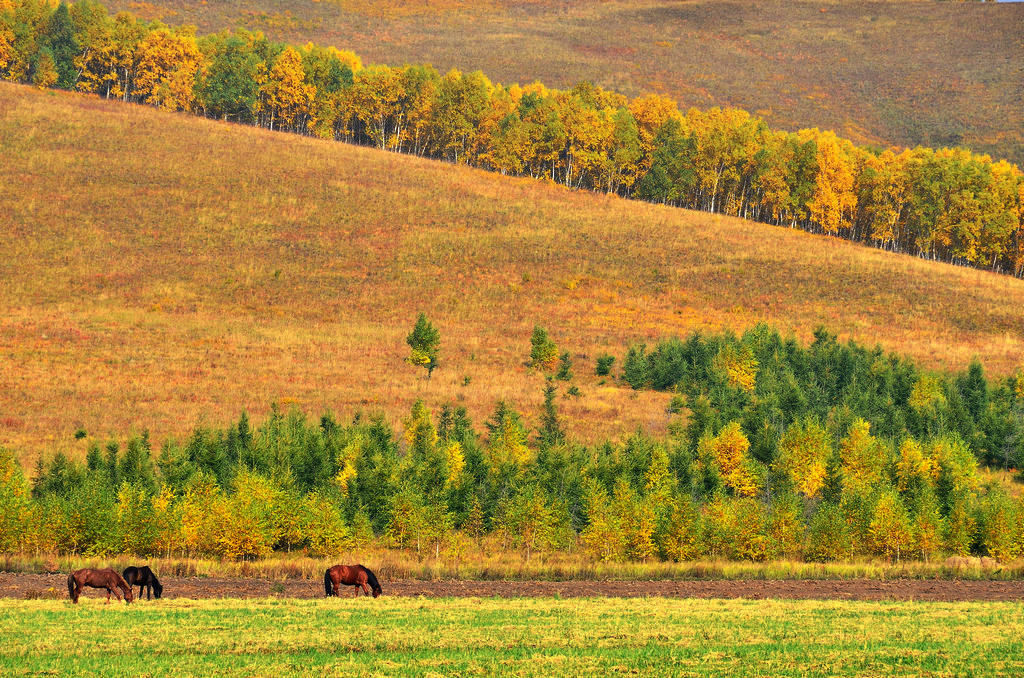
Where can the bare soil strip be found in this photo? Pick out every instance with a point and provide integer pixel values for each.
(13, 585)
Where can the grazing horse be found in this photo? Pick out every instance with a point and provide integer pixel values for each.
(351, 575)
(98, 579)
(144, 578)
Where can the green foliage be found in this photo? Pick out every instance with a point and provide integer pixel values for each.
(604, 365)
(551, 432)
(828, 536)
(752, 476)
(564, 367)
(59, 41)
(635, 367)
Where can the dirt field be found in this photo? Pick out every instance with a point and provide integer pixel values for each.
(38, 585)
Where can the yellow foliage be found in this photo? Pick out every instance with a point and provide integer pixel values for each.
(927, 394)
(168, 63)
(803, 453)
(959, 463)
(834, 200)
(728, 451)
(890, 530)
(166, 516)
(603, 536)
(913, 464)
(418, 427)
(862, 458)
(456, 460)
(6, 48)
(286, 94)
(418, 357)
(346, 463)
(739, 367)
(508, 445)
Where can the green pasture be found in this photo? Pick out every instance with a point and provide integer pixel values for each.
(533, 636)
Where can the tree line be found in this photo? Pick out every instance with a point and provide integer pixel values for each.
(947, 204)
(823, 452)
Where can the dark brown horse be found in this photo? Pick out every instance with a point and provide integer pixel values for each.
(351, 575)
(144, 578)
(98, 579)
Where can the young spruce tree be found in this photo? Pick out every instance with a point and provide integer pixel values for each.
(424, 341)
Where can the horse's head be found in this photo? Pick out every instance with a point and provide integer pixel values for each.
(377, 590)
(128, 595)
(158, 589)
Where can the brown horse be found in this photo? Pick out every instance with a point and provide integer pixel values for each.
(98, 579)
(351, 575)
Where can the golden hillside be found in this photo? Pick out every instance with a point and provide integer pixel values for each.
(161, 270)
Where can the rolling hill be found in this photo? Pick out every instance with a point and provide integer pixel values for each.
(162, 270)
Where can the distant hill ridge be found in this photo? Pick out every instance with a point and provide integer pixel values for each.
(948, 204)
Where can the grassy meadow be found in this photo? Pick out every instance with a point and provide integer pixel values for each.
(529, 637)
(831, 64)
(163, 270)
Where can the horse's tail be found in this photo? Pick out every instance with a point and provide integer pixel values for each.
(71, 587)
(328, 584)
(372, 579)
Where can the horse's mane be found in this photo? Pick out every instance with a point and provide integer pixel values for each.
(120, 579)
(372, 578)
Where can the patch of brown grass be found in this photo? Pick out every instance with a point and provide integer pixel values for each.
(160, 270)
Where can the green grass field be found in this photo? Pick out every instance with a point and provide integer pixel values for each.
(474, 636)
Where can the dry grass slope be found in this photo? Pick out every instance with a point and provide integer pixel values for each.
(159, 270)
(884, 72)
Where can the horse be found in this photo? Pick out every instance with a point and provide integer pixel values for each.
(98, 579)
(144, 578)
(351, 575)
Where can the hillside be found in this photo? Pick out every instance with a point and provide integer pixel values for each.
(163, 270)
(881, 72)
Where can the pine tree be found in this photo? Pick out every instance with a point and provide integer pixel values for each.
(551, 432)
(543, 352)
(635, 368)
(564, 368)
(506, 444)
(62, 46)
(424, 341)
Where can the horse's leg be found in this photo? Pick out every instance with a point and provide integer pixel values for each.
(356, 587)
(108, 595)
(366, 589)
